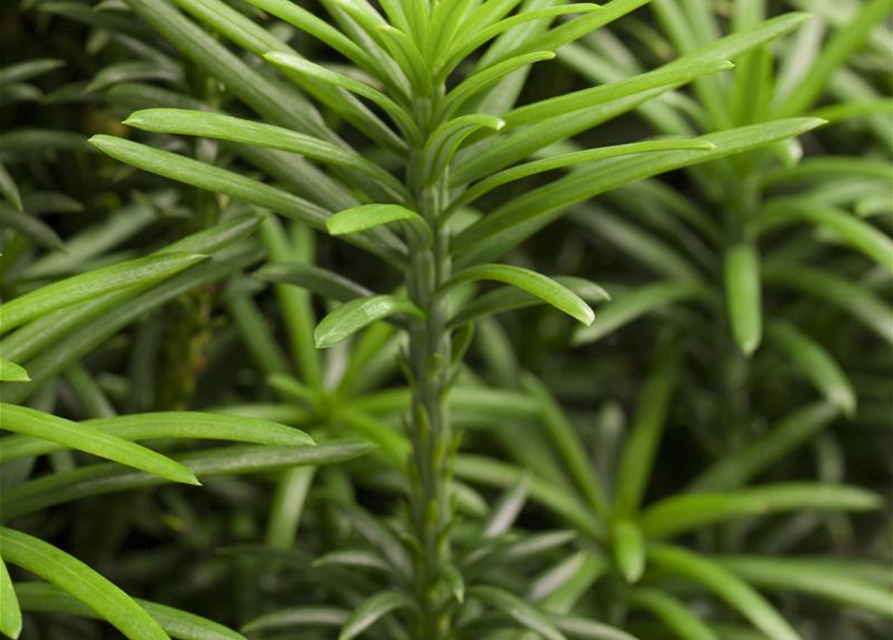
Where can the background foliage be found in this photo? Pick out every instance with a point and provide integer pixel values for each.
(297, 253)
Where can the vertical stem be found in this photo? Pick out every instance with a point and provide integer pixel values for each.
(430, 366)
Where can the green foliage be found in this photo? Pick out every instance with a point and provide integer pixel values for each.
(297, 254)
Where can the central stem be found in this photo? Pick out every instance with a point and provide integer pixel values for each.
(431, 371)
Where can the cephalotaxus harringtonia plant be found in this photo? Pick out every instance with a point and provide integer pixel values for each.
(705, 241)
(627, 568)
(433, 86)
(767, 237)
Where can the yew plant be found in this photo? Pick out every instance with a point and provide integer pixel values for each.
(386, 163)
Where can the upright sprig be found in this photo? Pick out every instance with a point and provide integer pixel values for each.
(444, 114)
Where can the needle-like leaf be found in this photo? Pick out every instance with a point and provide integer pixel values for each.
(684, 512)
(517, 609)
(82, 582)
(724, 584)
(743, 295)
(322, 282)
(370, 611)
(815, 363)
(354, 315)
(629, 550)
(96, 283)
(369, 216)
(11, 372)
(180, 625)
(99, 479)
(36, 424)
(168, 424)
(547, 289)
(10, 613)
(675, 614)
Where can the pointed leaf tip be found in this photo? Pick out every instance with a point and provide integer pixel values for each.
(12, 372)
(368, 216)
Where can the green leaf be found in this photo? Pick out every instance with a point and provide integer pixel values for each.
(677, 514)
(813, 578)
(835, 54)
(358, 558)
(454, 581)
(287, 507)
(9, 189)
(24, 142)
(240, 29)
(444, 142)
(322, 282)
(815, 363)
(495, 473)
(297, 617)
(82, 582)
(93, 284)
(509, 298)
(72, 330)
(316, 27)
(204, 176)
(507, 508)
(570, 581)
(532, 282)
(668, 76)
(571, 30)
(30, 422)
(10, 613)
(379, 535)
(743, 295)
(21, 71)
(588, 629)
(223, 127)
(296, 307)
(371, 611)
(515, 148)
(300, 69)
(570, 446)
(275, 103)
(673, 613)
(99, 479)
(518, 610)
(354, 315)
(857, 300)
(464, 46)
(11, 372)
(134, 71)
(628, 307)
(783, 437)
(638, 243)
(41, 597)
(860, 235)
(652, 407)
(168, 424)
(31, 227)
(569, 159)
(737, 594)
(481, 80)
(369, 216)
(629, 550)
(515, 221)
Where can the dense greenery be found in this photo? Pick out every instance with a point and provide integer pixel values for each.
(473, 319)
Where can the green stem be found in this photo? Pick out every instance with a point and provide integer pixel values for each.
(430, 366)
